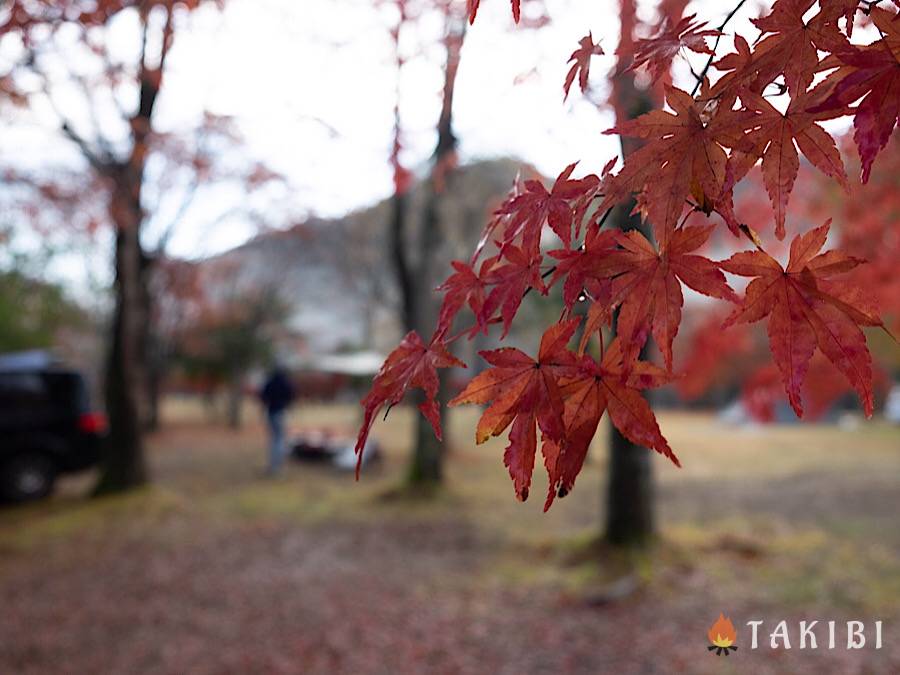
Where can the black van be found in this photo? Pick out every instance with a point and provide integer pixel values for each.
(47, 428)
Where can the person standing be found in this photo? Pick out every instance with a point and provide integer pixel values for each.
(276, 395)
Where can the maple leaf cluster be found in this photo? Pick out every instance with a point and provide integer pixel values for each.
(713, 358)
(691, 157)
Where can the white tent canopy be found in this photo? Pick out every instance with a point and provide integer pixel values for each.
(365, 363)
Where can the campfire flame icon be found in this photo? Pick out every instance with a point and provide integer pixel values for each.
(722, 636)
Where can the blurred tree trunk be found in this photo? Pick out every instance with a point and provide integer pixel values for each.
(400, 261)
(123, 466)
(414, 266)
(630, 492)
(427, 462)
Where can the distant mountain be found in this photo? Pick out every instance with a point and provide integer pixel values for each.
(336, 272)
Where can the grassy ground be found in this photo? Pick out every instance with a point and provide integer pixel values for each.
(213, 569)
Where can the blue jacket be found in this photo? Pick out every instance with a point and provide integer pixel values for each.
(277, 393)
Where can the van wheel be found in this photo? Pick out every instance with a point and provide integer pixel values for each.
(27, 477)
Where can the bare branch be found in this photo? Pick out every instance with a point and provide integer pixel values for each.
(712, 56)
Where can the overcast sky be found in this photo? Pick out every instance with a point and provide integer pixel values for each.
(311, 84)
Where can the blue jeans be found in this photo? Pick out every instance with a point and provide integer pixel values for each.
(276, 440)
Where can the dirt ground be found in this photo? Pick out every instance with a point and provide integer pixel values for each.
(214, 569)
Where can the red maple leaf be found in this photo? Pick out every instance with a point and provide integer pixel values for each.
(684, 155)
(841, 8)
(463, 287)
(737, 70)
(807, 309)
(523, 392)
(870, 73)
(412, 365)
(587, 268)
(648, 287)
(472, 9)
(529, 210)
(774, 138)
(595, 388)
(792, 47)
(582, 63)
(500, 217)
(657, 53)
(510, 281)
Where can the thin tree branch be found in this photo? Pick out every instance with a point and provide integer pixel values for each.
(102, 142)
(93, 159)
(712, 56)
(102, 164)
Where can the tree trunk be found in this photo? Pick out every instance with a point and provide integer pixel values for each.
(426, 466)
(400, 260)
(426, 463)
(417, 309)
(123, 464)
(630, 489)
(630, 493)
(417, 281)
